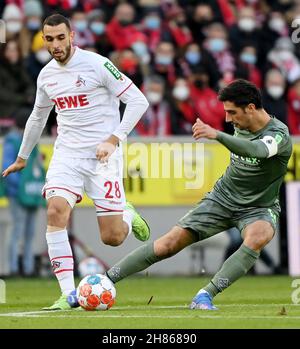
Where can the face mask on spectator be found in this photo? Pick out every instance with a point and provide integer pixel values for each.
(140, 48)
(199, 83)
(125, 22)
(275, 91)
(276, 24)
(154, 97)
(217, 45)
(80, 26)
(181, 93)
(13, 26)
(163, 59)
(152, 23)
(247, 24)
(248, 58)
(33, 24)
(43, 56)
(193, 57)
(97, 28)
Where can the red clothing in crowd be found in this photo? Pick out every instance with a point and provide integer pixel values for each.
(207, 106)
(294, 112)
(122, 38)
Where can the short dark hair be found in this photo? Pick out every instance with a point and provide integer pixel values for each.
(241, 92)
(57, 19)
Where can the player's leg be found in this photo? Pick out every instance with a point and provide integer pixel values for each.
(62, 190)
(258, 227)
(144, 256)
(197, 224)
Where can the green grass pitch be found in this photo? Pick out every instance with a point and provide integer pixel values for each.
(261, 302)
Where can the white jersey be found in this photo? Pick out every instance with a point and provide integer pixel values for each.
(85, 92)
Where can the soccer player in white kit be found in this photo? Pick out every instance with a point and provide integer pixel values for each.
(85, 88)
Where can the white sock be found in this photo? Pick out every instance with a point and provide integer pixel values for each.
(61, 258)
(128, 218)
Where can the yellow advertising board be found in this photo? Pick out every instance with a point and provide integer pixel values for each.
(171, 174)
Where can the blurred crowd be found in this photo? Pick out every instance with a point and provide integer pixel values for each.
(179, 52)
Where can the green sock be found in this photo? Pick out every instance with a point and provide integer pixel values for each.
(138, 260)
(233, 268)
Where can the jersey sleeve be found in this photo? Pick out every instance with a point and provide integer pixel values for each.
(276, 142)
(110, 77)
(41, 99)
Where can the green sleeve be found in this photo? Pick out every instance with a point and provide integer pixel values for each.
(243, 147)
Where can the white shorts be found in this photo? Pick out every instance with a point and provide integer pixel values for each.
(103, 183)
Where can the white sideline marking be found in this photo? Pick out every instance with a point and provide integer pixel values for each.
(197, 314)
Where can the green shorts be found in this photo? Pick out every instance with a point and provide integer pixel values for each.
(210, 217)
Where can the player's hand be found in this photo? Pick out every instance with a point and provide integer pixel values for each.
(18, 165)
(202, 130)
(104, 151)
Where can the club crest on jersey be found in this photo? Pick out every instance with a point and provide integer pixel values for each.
(80, 81)
(114, 71)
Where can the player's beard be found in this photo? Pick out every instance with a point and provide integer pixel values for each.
(65, 56)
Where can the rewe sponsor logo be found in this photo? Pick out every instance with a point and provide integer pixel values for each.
(69, 102)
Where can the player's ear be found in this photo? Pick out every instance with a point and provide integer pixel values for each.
(72, 35)
(251, 107)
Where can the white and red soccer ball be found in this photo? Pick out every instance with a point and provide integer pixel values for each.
(96, 292)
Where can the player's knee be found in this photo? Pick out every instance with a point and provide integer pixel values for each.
(166, 249)
(113, 237)
(57, 215)
(259, 238)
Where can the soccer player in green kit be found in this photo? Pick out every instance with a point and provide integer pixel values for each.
(246, 196)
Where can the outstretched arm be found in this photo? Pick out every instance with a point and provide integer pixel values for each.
(242, 147)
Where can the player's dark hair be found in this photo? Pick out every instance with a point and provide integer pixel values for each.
(241, 92)
(57, 19)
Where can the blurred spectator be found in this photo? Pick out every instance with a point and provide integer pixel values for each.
(294, 108)
(205, 100)
(121, 30)
(128, 62)
(245, 31)
(16, 87)
(246, 66)
(164, 62)
(13, 17)
(97, 25)
(274, 27)
(200, 18)
(178, 28)
(38, 58)
(23, 213)
(218, 46)
(182, 108)
(152, 28)
(83, 36)
(273, 95)
(33, 13)
(157, 119)
(283, 58)
(194, 56)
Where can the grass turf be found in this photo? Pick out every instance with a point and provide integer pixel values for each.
(258, 302)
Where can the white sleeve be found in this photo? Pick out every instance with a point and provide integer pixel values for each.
(36, 121)
(123, 88)
(136, 105)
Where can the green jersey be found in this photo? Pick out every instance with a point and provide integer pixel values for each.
(258, 163)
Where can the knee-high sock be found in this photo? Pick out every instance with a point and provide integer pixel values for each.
(233, 268)
(138, 260)
(61, 258)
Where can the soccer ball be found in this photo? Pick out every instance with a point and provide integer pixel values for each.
(96, 292)
(90, 265)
